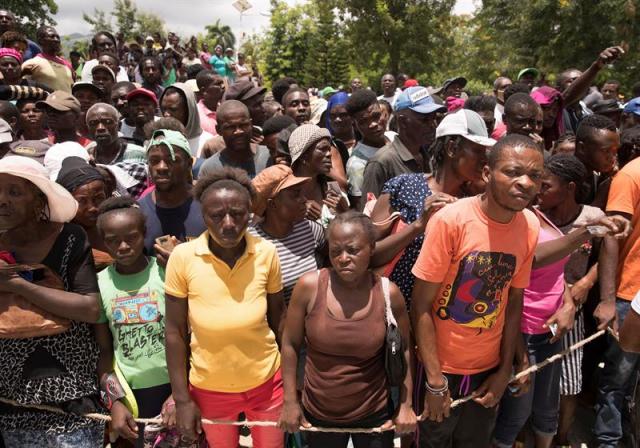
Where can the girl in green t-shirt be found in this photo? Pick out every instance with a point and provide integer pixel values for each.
(132, 367)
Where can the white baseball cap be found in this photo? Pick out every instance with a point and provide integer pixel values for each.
(5, 132)
(467, 124)
(55, 155)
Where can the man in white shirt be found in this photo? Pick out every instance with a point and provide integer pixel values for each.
(499, 86)
(390, 91)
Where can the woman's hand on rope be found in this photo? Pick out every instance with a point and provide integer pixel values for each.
(436, 407)
(168, 412)
(405, 420)
(521, 386)
(188, 419)
(491, 390)
(292, 418)
(122, 421)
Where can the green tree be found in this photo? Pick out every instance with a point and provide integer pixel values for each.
(554, 35)
(128, 20)
(411, 36)
(99, 21)
(32, 13)
(124, 11)
(286, 44)
(221, 35)
(327, 59)
(149, 23)
(251, 47)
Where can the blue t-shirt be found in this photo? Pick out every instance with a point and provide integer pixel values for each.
(184, 222)
(32, 50)
(219, 65)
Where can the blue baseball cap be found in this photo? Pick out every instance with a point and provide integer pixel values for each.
(418, 100)
(633, 106)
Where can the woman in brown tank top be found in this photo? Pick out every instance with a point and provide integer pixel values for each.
(340, 313)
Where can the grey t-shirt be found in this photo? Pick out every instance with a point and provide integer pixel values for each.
(390, 161)
(261, 160)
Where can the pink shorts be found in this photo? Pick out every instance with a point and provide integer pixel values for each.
(262, 403)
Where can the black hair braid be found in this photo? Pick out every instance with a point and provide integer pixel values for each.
(570, 169)
(437, 152)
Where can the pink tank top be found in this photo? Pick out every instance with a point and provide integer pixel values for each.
(543, 297)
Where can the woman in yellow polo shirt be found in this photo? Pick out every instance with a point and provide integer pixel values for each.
(225, 288)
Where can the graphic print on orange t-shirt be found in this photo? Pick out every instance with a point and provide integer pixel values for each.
(474, 299)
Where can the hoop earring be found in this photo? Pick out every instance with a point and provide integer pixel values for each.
(44, 215)
(41, 214)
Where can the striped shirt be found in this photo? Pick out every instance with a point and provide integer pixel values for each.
(296, 251)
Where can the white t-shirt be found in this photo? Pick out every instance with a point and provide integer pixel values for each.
(497, 113)
(391, 99)
(196, 143)
(87, 76)
(126, 131)
(242, 71)
(189, 62)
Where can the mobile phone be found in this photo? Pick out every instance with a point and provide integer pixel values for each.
(513, 388)
(598, 231)
(333, 186)
(166, 242)
(27, 272)
(553, 328)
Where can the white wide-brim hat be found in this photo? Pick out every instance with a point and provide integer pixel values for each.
(61, 204)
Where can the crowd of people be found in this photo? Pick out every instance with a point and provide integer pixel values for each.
(178, 240)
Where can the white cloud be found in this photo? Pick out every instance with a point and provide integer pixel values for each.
(187, 17)
(466, 6)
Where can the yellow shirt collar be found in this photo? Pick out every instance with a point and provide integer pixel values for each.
(202, 244)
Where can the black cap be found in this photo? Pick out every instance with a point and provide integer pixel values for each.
(606, 107)
(89, 86)
(276, 124)
(458, 79)
(76, 172)
(243, 90)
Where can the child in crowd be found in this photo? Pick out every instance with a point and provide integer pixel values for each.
(131, 326)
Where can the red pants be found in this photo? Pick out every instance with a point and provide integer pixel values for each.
(260, 403)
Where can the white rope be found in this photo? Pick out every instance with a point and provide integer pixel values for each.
(158, 421)
(544, 363)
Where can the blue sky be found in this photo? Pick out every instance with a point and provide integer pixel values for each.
(188, 17)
